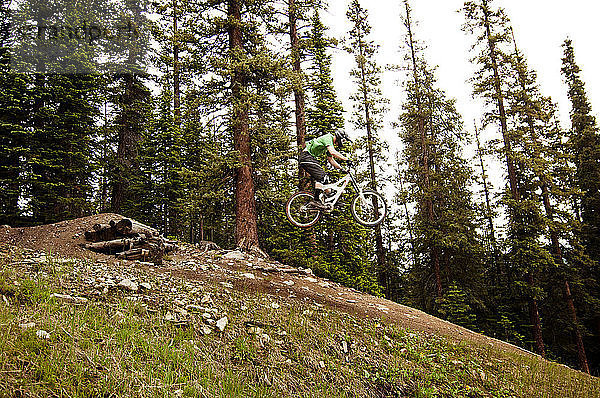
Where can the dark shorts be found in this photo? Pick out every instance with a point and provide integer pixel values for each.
(311, 165)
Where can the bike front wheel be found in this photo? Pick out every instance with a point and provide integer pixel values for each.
(368, 209)
(299, 212)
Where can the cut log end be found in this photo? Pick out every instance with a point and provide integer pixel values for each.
(129, 240)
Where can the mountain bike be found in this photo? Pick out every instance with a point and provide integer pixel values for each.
(368, 207)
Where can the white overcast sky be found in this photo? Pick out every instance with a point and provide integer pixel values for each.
(540, 27)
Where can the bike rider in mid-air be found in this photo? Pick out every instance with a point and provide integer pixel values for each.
(314, 150)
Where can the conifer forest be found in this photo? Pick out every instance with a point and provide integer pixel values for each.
(195, 130)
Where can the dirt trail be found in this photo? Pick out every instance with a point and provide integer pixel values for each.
(247, 273)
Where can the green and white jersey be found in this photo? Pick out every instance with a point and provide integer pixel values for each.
(318, 146)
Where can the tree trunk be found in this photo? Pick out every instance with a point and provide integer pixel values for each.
(598, 329)
(246, 228)
(488, 206)
(583, 363)
(129, 136)
(9, 172)
(534, 315)
(409, 227)
(512, 175)
(312, 238)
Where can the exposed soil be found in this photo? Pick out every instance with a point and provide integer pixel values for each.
(63, 238)
(247, 273)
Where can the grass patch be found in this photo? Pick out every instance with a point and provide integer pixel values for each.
(120, 349)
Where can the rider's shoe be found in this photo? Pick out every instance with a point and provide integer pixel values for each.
(317, 205)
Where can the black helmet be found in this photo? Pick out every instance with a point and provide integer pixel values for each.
(341, 137)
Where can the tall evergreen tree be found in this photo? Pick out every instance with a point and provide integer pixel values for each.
(369, 107)
(15, 102)
(296, 12)
(133, 108)
(584, 141)
(419, 118)
(583, 144)
(533, 114)
(527, 256)
(338, 248)
(55, 170)
(446, 241)
(325, 114)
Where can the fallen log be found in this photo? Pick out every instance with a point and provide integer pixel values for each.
(113, 246)
(134, 254)
(130, 240)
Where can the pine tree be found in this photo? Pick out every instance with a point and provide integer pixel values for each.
(296, 11)
(239, 69)
(15, 102)
(584, 141)
(492, 83)
(419, 117)
(583, 146)
(445, 236)
(133, 110)
(534, 114)
(133, 103)
(369, 107)
(489, 211)
(325, 114)
(61, 90)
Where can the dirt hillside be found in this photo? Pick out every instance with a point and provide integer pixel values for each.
(243, 272)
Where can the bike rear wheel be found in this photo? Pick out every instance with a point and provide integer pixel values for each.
(299, 213)
(369, 209)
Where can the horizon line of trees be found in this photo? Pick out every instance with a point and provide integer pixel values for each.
(203, 150)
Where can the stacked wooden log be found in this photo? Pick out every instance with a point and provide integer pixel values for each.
(129, 240)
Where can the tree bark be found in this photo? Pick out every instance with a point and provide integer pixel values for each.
(534, 316)
(246, 228)
(409, 227)
(129, 137)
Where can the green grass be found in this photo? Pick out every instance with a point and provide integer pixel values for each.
(119, 349)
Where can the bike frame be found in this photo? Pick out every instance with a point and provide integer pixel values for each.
(339, 187)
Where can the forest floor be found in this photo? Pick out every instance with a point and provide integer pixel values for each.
(238, 313)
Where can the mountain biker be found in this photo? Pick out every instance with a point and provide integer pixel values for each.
(314, 150)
